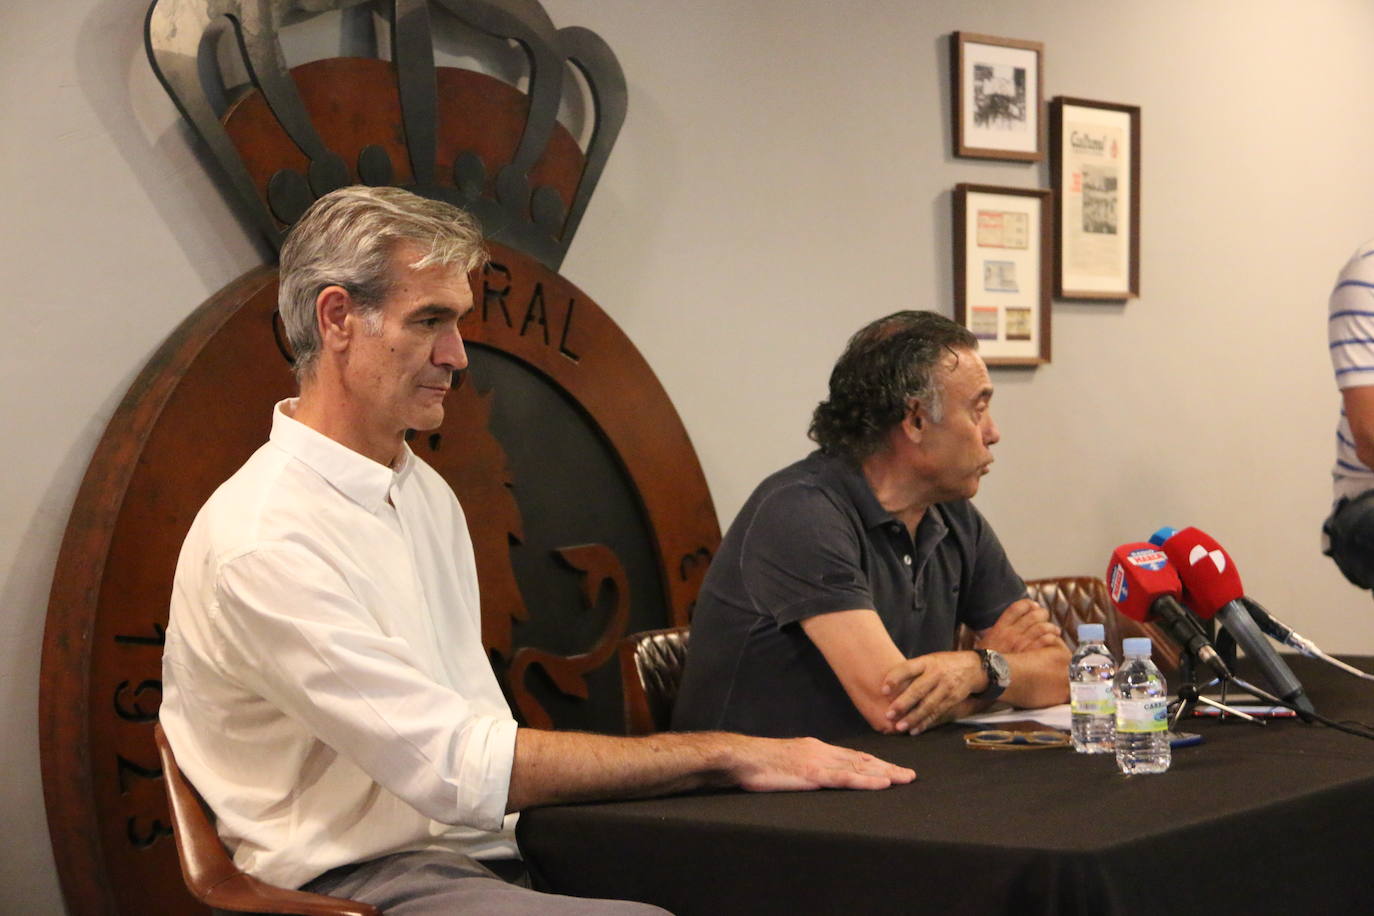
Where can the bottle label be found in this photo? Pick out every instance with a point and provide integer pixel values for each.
(1092, 699)
(1142, 716)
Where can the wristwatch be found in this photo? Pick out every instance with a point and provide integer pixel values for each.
(998, 672)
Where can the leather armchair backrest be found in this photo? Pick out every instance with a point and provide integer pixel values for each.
(651, 672)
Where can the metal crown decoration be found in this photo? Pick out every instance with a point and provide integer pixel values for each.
(538, 219)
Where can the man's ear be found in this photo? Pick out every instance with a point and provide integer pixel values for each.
(333, 306)
(912, 424)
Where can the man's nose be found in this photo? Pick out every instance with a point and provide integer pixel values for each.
(992, 434)
(449, 351)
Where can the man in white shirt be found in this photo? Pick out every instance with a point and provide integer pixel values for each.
(325, 686)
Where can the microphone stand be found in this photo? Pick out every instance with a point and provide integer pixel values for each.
(1188, 699)
(1189, 696)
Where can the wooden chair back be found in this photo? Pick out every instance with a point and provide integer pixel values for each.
(209, 873)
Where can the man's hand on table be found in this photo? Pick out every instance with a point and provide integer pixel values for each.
(793, 764)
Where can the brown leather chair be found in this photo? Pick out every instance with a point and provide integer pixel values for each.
(210, 874)
(1072, 600)
(650, 674)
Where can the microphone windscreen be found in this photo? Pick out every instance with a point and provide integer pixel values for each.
(1137, 575)
(1206, 569)
(1162, 535)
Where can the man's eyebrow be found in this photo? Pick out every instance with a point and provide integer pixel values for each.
(435, 310)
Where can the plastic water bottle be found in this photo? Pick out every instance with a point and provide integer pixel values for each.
(1091, 672)
(1142, 713)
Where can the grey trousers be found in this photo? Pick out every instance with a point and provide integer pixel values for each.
(434, 883)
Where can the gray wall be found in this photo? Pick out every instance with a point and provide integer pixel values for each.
(784, 176)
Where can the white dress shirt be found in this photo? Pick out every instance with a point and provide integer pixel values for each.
(324, 681)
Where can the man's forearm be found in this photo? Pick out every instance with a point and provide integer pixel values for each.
(1031, 642)
(939, 686)
(553, 767)
(1039, 677)
(1359, 414)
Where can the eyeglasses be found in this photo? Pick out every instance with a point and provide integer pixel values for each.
(997, 739)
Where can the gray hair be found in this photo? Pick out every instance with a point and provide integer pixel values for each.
(347, 239)
(886, 365)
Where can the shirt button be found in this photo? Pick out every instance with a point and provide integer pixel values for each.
(907, 559)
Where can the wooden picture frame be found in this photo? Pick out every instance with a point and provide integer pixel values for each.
(998, 86)
(1002, 267)
(1095, 168)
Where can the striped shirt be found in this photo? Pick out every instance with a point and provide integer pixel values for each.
(1350, 331)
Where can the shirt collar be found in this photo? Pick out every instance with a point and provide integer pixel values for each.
(929, 532)
(356, 476)
(852, 481)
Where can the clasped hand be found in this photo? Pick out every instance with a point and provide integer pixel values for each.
(1023, 626)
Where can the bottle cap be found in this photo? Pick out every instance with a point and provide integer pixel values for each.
(1091, 632)
(1137, 647)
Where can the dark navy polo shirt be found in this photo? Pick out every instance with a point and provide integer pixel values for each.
(813, 539)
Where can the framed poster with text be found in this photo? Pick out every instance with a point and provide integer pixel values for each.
(1095, 163)
(998, 105)
(1002, 271)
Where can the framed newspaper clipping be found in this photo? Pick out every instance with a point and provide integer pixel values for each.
(1002, 266)
(1095, 163)
(998, 97)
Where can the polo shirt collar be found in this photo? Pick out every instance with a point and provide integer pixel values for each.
(356, 476)
(929, 532)
(855, 486)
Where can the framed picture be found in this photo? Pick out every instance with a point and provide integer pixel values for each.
(1095, 163)
(998, 97)
(1002, 269)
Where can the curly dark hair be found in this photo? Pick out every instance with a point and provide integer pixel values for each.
(884, 366)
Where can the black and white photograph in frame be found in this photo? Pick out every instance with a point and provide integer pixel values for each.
(998, 97)
(1095, 164)
(1002, 266)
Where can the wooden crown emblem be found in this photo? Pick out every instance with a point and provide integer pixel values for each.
(288, 136)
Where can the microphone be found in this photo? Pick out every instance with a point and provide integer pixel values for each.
(1145, 588)
(1290, 637)
(1276, 628)
(1225, 643)
(1162, 535)
(1213, 582)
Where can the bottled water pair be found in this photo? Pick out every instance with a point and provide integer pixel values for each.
(1123, 711)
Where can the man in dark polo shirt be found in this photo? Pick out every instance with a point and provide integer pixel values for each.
(831, 606)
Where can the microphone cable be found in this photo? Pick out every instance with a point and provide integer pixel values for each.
(1349, 726)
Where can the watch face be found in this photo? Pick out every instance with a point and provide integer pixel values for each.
(998, 669)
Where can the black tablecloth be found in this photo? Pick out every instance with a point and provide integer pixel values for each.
(1253, 820)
